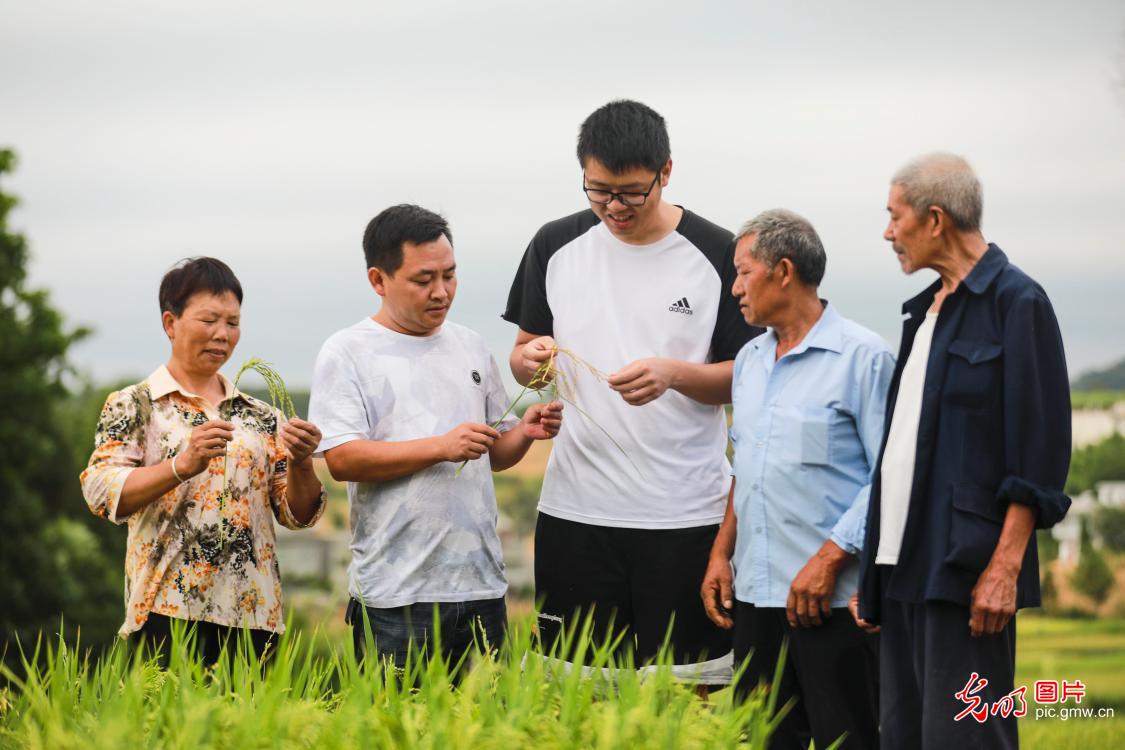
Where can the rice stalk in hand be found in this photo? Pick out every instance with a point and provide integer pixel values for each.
(279, 398)
(563, 389)
(554, 383)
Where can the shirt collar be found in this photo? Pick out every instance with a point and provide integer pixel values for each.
(827, 333)
(161, 383)
(979, 279)
(986, 270)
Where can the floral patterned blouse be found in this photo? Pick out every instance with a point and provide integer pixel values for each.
(186, 557)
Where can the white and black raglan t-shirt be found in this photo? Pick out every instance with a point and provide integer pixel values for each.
(661, 465)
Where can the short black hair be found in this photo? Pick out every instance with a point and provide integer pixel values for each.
(624, 135)
(193, 275)
(385, 234)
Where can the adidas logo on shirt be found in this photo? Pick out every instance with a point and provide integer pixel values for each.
(680, 306)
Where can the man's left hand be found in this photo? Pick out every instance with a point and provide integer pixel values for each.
(810, 595)
(542, 421)
(993, 600)
(644, 380)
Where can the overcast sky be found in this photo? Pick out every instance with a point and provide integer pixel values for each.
(268, 134)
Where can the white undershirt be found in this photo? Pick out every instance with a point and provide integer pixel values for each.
(897, 472)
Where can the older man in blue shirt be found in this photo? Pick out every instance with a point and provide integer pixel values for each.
(809, 400)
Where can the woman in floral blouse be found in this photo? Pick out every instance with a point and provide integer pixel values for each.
(158, 466)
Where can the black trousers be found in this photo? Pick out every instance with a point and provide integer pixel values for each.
(927, 656)
(643, 582)
(831, 670)
(209, 638)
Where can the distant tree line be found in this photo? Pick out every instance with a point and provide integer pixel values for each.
(1111, 378)
(55, 559)
(1096, 463)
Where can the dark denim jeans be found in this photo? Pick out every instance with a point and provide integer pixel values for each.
(462, 626)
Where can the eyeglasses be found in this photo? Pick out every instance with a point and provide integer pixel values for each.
(605, 197)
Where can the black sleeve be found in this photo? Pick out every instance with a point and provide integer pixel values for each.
(717, 245)
(527, 299)
(731, 329)
(1036, 410)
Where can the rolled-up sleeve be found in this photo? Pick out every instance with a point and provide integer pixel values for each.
(849, 532)
(118, 449)
(279, 485)
(1036, 410)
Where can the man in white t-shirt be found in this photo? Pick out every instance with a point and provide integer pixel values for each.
(413, 417)
(639, 288)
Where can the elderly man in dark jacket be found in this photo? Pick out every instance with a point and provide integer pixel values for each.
(974, 458)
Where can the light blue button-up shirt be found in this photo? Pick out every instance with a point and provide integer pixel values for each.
(806, 432)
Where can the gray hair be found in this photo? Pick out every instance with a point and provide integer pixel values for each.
(784, 234)
(946, 181)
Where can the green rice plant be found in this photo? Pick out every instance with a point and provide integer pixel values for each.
(313, 694)
(550, 383)
(275, 386)
(279, 398)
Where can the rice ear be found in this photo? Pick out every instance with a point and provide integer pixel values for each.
(279, 399)
(548, 377)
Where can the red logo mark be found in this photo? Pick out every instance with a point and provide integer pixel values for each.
(969, 695)
(1075, 690)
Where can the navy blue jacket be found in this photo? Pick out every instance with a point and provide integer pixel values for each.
(994, 430)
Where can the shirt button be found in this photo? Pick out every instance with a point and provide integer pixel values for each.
(757, 529)
(759, 444)
(754, 486)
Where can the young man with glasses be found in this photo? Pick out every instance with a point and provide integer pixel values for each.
(639, 288)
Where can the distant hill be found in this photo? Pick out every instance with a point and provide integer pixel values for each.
(1111, 378)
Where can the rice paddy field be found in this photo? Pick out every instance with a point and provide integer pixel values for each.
(315, 695)
(1092, 651)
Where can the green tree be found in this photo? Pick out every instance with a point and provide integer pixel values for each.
(56, 560)
(1048, 546)
(1110, 379)
(1096, 463)
(1110, 524)
(518, 498)
(1092, 576)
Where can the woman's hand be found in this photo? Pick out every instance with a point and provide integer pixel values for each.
(208, 440)
(300, 438)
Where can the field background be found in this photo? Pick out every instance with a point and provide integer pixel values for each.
(1087, 648)
(1087, 644)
